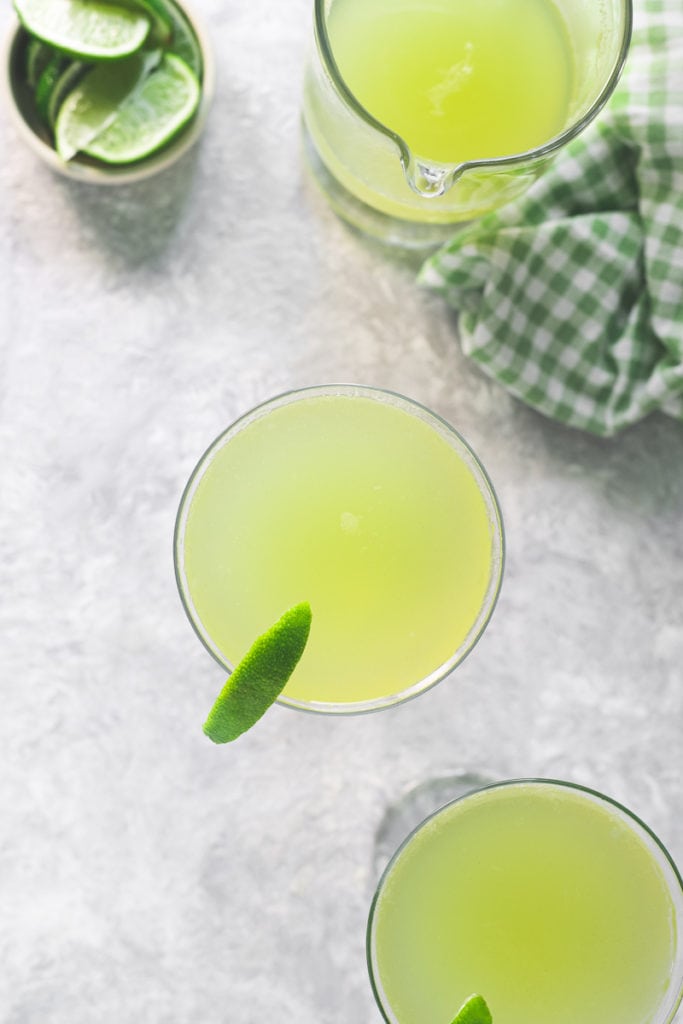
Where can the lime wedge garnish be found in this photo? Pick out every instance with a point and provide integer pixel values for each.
(87, 29)
(151, 115)
(95, 102)
(260, 676)
(473, 1011)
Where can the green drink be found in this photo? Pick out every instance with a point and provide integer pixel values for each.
(553, 902)
(365, 505)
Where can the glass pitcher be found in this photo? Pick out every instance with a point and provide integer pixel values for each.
(368, 170)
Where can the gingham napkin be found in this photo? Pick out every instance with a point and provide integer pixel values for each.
(572, 297)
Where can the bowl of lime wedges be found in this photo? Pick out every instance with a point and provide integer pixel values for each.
(108, 91)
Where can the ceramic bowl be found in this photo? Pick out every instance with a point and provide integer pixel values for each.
(19, 100)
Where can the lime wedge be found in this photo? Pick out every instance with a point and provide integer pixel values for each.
(183, 41)
(260, 676)
(161, 30)
(94, 103)
(38, 56)
(67, 80)
(47, 81)
(473, 1011)
(151, 115)
(88, 29)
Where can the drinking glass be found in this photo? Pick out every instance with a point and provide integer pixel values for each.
(365, 504)
(376, 178)
(550, 900)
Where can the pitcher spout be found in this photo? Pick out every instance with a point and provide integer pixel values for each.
(428, 181)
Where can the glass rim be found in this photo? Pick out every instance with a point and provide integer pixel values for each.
(671, 877)
(463, 450)
(537, 152)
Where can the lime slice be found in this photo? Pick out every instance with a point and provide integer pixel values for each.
(161, 30)
(38, 56)
(151, 115)
(67, 80)
(183, 42)
(90, 29)
(473, 1011)
(260, 676)
(94, 103)
(47, 81)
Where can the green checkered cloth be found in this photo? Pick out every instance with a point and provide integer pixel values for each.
(572, 297)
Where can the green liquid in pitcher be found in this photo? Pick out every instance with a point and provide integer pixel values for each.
(457, 80)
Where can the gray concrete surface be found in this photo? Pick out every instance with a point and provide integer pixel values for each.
(146, 876)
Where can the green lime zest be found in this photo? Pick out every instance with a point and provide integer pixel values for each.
(473, 1011)
(260, 676)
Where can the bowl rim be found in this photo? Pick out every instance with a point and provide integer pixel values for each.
(103, 174)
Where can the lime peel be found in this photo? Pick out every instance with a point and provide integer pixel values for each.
(260, 676)
(473, 1011)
